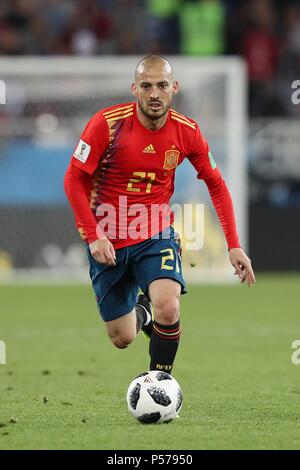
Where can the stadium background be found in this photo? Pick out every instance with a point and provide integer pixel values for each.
(264, 33)
(64, 385)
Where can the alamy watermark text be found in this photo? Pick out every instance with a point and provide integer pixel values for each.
(2, 352)
(295, 358)
(2, 92)
(296, 94)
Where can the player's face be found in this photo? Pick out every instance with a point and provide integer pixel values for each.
(154, 89)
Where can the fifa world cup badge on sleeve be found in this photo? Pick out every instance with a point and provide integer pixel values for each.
(82, 151)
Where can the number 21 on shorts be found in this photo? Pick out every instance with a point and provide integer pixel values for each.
(168, 255)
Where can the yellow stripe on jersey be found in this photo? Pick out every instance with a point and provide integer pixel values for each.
(121, 110)
(181, 116)
(183, 122)
(115, 118)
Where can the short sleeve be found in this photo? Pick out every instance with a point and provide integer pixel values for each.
(200, 156)
(92, 145)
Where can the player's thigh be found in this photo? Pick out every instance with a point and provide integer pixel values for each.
(115, 288)
(159, 260)
(165, 297)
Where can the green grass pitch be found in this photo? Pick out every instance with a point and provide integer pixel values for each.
(64, 384)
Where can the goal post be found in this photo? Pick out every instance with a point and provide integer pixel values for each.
(48, 102)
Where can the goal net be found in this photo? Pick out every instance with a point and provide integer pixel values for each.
(48, 102)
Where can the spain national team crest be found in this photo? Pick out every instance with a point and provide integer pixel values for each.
(171, 159)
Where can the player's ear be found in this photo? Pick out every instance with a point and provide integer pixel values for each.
(175, 87)
(134, 89)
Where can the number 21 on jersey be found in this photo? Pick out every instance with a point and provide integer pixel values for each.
(140, 177)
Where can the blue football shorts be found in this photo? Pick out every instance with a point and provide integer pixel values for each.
(116, 287)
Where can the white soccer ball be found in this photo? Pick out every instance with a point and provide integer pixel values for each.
(154, 397)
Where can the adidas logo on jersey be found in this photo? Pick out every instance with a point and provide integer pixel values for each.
(149, 149)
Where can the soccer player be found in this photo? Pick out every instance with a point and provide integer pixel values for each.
(119, 183)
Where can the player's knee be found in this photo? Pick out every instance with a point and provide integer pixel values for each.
(167, 311)
(122, 340)
(120, 344)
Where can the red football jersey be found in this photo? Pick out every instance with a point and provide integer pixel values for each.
(132, 171)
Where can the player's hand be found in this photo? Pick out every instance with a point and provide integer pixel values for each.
(242, 265)
(103, 251)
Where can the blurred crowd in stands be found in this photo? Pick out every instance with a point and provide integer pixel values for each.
(265, 32)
